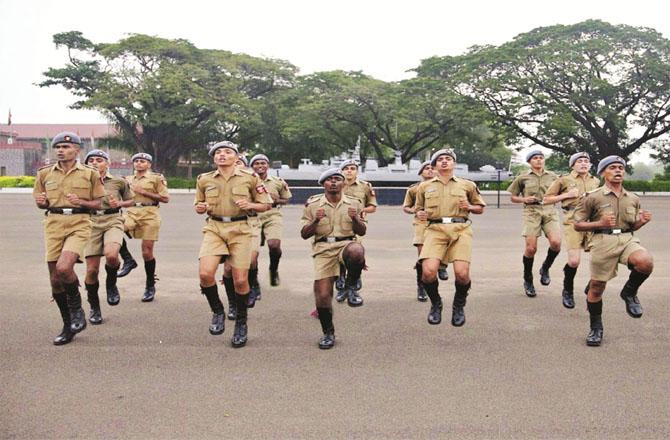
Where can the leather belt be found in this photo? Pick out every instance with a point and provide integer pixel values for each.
(333, 239)
(228, 219)
(614, 231)
(540, 203)
(447, 220)
(568, 208)
(67, 211)
(105, 211)
(141, 205)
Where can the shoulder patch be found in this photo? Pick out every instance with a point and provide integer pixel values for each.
(314, 198)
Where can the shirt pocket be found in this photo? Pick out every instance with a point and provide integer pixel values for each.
(324, 226)
(212, 196)
(51, 188)
(630, 215)
(346, 226)
(240, 192)
(531, 188)
(82, 188)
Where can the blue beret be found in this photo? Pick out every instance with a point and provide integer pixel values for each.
(225, 144)
(145, 156)
(423, 165)
(329, 173)
(259, 157)
(66, 136)
(609, 160)
(576, 156)
(96, 153)
(442, 152)
(530, 155)
(348, 162)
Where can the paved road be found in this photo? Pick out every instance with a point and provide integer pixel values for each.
(518, 369)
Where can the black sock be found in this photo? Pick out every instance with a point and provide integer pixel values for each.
(93, 298)
(419, 273)
(110, 281)
(241, 307)
(595, 313)
(569, 273)
(229, 285)
(212, 295)
(73, 297)
(253, 276)
(551, 256)
(124, 252)
(150, 269)
(461, 293)
(528, 268)
(432, 292)
(275, 255)
(353, 274)
(634, 282)
(61, 302)
(326, 319)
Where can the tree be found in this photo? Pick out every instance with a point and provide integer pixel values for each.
(167, 97)
(589, 87)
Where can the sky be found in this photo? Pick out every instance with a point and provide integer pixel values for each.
(382, 38)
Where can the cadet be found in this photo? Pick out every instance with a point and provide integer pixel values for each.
(228, 194)
(612, 214)
(446, 201)
(143, 219)
(68, 191)
(567, 189)
(271, 221)
(365, 194)
(529, 188)
(334, 220)
(426, 173)
(106, 234)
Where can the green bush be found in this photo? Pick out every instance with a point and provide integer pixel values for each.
(17, 181)
(180, 183)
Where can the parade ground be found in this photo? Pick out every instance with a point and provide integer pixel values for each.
(518, 369)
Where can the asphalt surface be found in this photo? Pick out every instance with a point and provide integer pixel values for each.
(519, 368)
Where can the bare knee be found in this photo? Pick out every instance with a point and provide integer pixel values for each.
(112, 260)
(596, 288)
(555, 244)
(642, 263)
(355, 254)
(274, 245)
(531, 250)
(462, 276)
(428, 271)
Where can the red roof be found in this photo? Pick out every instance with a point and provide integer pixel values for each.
(40, 131)
(20, 145)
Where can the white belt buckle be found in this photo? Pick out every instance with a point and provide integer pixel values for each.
(447, 220)
(616, 231)
(67, 211)
(138, 204)
(100, 212)
(330, 240)
(226, 219)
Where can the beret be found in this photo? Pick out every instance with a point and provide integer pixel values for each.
(423, 165)
(576, 156)
(329, 173)
(145, 156)
(259, 157)
(66, 136)
(609, 160)
(442, 152)
(532, 153)
(224, 144)
(96, 153)
(348, 162)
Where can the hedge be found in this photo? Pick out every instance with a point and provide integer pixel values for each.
(17, 181)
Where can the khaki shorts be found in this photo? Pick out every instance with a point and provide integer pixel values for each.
(536, 221)
(448, 243)
(143, 223)
(271, 227)
(227, 239)
(575, 239)
(255, 225)
(608, 251)
(66, 233)
(106, 229)
(328, 257)
(419, 232)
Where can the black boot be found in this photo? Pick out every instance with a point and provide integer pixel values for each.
(129, 262)
(113, 296)
(351, 283)
(229, 285)
(420, 290)
(340, 285)
(568, 286)
(150, 290)
(326, 318)
(240, 333)
(275, 255)
(255, 288)
(435, 313)
(95, 317)
(218, 324)
(66, 335)
(545, 279)
(458, 311)
(77, 316)
(629, 293)
(528, 286)
(595, 336)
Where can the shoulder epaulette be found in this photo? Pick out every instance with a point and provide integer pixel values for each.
(90, 167)
(413, 185)
(45, 166)
(247, 171)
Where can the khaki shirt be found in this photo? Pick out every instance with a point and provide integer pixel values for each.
(567, 182)
(221, 193)
(532, 184)
(336, 223)
(362, 191)
(410, 195)
(440, 199)
(279, 188)
(81, 180)
(117, 187)
(601, 201)
(152, 182)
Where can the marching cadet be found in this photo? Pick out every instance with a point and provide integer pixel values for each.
(426, 173)
(445, 202)
(529, 188)
(567, 189)
(228, 195)
(271, 221)
(334, 220)
(106, 234)
(612, 214)
(67, 191)
(365, 194)
(143, 219)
